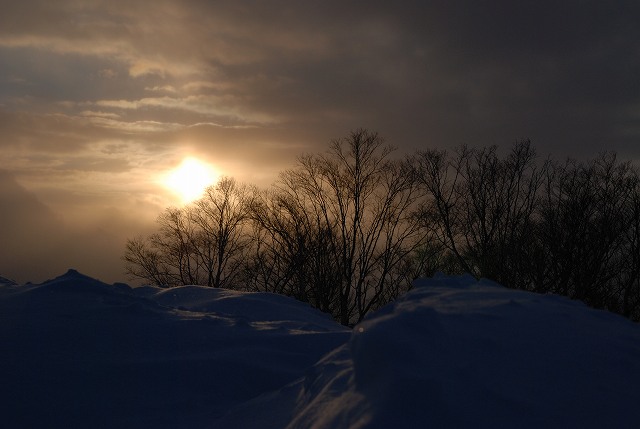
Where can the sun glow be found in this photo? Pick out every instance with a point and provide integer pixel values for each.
(190, 179)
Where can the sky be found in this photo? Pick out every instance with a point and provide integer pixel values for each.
(99, 100)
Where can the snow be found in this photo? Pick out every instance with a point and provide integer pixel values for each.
(7, 282)
(76, 352)
(452, 352)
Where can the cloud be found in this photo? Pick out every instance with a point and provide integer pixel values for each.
(410, 69)
(108, 73)
(98, 114)
(164, 88)
(146, 67)
(227, 108)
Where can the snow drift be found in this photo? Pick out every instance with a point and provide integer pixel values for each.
(453, 352)
(76, 352)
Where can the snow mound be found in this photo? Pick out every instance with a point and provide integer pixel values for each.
(455, 352)
(264, 309)
(7, 282)
(77, 352)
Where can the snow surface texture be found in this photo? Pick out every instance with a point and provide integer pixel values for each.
(453, 352)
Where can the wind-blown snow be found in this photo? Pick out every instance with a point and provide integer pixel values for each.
(453, 352)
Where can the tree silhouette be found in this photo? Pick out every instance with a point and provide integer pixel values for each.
(201, 244)
(570, 228)
(348, 215)
(349, 229)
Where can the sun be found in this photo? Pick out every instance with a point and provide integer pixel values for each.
(190, 179)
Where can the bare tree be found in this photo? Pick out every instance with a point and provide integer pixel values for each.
(628, 283)
(201, 244)
(221, 216)
(569, 228)
(482, 208)
(586, 230)
(291, 252)
(349, 229)
(441, 212)
(143, 262)
(357, 202)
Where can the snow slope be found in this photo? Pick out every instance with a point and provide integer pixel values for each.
(76, 352)
(7, 282)
(453, 352)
